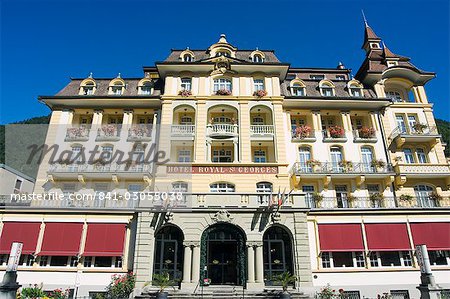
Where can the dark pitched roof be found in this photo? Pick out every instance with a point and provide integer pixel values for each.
(131, 87)
(243, 55)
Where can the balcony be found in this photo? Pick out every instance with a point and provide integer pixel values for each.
(183, 131)
(109, 132)
(341, 168)
(303, 134)
(222, 130)
(100, 170)
(262, 131)
(423, 170)
(80, 133)
(246, 200)
(140, 133)
(351, 202)
(417, 133)
(334, 134)
(364, 135)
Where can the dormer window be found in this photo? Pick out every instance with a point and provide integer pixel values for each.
(146, 87)
(186, 84)
(298, 89)
(223, 53)
(258, 58)
(117, 88)
(355, 89)
(392, 63)
(395, 96)
(317, 77)
(188, 58)
(375, 45)
(326, 88)
(88, 89)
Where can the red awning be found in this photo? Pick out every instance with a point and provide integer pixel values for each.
(435, 235)
(24, 232)
(340, 237)
(105, 239)
(387, 237)
(61, 238)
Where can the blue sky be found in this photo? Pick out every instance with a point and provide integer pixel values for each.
(44, 43)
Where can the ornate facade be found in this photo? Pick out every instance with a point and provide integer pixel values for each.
(310, 171)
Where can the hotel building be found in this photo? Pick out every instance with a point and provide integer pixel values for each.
(311, 171)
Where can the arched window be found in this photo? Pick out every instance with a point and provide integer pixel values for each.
(169, 252)
(146, 87)
(88, 88)
(186, 84)
(258, 58)
(367, 158)
(424, 198)
(222, 84)
(297, 89)
(421, 155)
(395, 96)
(188, 58)
(278, 255)
(304, 157)
(221, 187)
(223, 53)
(336, 159)
(117, 88)
(355, 90)
(326, 88)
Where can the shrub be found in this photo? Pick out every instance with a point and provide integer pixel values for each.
(302, 131)
(121, 286)
(32, 292)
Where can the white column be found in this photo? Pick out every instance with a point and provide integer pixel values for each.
(235, 151)
(208, 150)
(196, 263)
(187, 263)
(250, 264)
(259, 263)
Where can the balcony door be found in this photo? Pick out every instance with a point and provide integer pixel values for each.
(367, 158)
(336, 159)
(423, 193)
(400, 123)
(304, 157)
(342, 196)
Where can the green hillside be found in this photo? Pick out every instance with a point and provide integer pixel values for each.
(444, 130)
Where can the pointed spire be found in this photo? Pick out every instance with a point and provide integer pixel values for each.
(370, 38)
(118, 76)
(364, 18)
(90, 75)
(223, 39)
(388, 53)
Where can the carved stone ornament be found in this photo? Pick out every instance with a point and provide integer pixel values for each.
(276, 217)
(222, 216)
(168, 217)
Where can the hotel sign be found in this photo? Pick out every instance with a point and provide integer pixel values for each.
(223, 169)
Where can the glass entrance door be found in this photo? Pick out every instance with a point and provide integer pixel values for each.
(222, 260)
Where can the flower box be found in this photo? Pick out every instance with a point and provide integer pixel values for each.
(366, 133)
(336, 132)
(185, 93)
(302, 132)
(260, 93)
(223, 92)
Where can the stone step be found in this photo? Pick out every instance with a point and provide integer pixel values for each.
(224, 294)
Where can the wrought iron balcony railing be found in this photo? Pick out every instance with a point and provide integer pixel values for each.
(340, 168)
(78, 133)
(140, 132)
(414, 130)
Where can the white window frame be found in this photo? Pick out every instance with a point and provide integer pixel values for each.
(186, 84)
(259, 156)
(184, 156)
(222, 187)
(258, 84)
(222, 83)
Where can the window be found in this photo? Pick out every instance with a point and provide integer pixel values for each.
(298, 90)
(394, 96)
(184, 156)
(18, 186)
(222, 120)
(406, 259)
(341, 196)
(188, 58)
(391, 63)
(259, 156)
(221, 187)
(117, 88)
(356, 91)
(87, 261)
(336, 159)
(180, 187)
(3, 259)
(258, 120)
(103, 261)
(43, 261)
(73, 261)
(26, 260)
(423, 193)
(389, 258)
(326, 261)
(400, 123)
(326, 89)
(222, 155)
(58, 261)
(264, 187)
(367, 158)
(134, 188)
(309, 196)
(118, 262)
(222, 84)
(106, 154)
(258, 84)
(421, 156)
(223, 53)
(186, 120)
(258, 58)
(88, 88)
(374, 259)
(317, 77)
(412, 121)
(360, 259)
(439, 257)
(304, 155)
(351, 295)
(146, 88)
(409, 158)
(67, 190)
(342, 259)
(277, 252)
(186, 84)
(399, 294)
(340, 78)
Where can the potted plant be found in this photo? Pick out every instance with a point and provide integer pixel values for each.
(121, 286)
(378, 164)
(302, 131)
(285, 278)
(435, 197)
(376, 198)
(32, 292)
(260, 93)
(346, 165)
(336, 132)
(162, 281)
(206, 281)
(328, 292)
(223, 92)
(418, 127)
(406, 198)
(315, 164)
(185, 93)
(317, 198)
(351, 200)
(366, 132)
